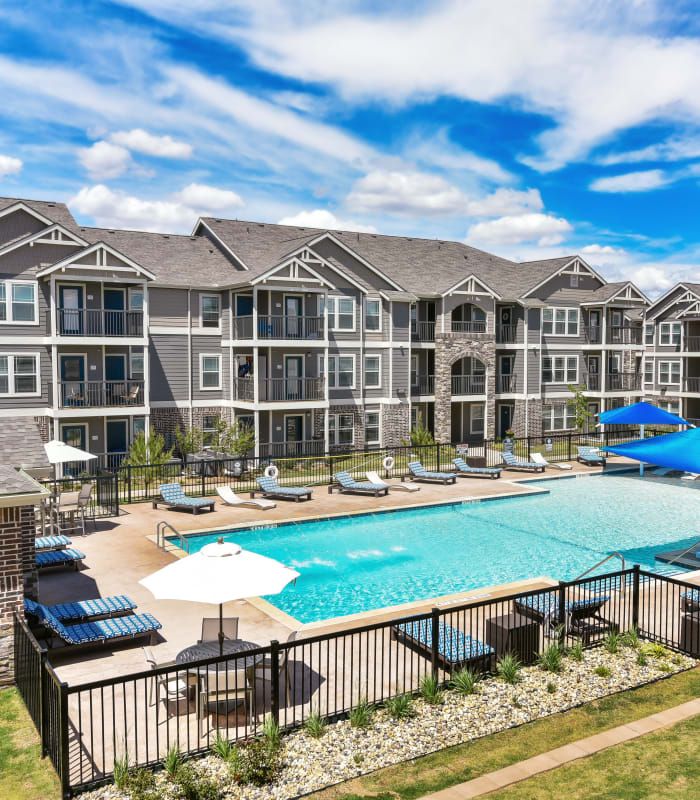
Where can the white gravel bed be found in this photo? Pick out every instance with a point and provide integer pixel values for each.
(344, 752)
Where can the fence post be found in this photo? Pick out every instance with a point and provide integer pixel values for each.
(569, 446)
(435, 640)
(63, 738)
(528, 448)
(275, 681)
(129, 480)
(635, 597)
(203, 465)
(42, 709)
(561, 621)
(438, 457)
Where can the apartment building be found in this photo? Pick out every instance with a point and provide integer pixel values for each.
(320, 339)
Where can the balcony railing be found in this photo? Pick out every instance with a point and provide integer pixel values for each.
(591, 382)
(468, 384)
(98, 322)
(423, 331)
(478, 326)
(692, 421)
(279, 390)
(309, 447)
(506, 383)
(623, 334)
(424, 384)
(692, 344)
(592, 334)
(100, 394)
(623, 382)
(505, 334)
(691, 384)
(279, 327)
(244, 389)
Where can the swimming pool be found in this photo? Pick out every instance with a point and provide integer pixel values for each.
(349, 565)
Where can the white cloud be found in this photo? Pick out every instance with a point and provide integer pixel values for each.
(406, 193)
(322, 218)
(144, 142)
(543, 228)
(506, 202)
(643, 181)
(440, 151)
(105, 160)
(675, 148)
(9, 166)
(209, 198)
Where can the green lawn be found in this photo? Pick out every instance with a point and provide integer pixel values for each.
(23, 774)
(446, 768)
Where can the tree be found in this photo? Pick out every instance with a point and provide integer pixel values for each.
(579, 403)
(150, 455)
(238, 439)
(420, 436)
(188, 441)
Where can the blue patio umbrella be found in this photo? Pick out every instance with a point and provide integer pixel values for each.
(673, 450)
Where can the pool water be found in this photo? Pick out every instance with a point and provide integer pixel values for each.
(350, 565)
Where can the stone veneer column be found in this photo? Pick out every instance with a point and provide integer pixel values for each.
(396, 423)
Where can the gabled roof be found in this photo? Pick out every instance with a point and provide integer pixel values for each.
(55, 234)
(610, 290)
(21, 445)
(46, 210)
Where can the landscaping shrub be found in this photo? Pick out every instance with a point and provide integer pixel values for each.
(612, 642)
(631, 638)
(271, 730)
(465, 681)
(361, 715)
(551, 658)
(172, 762)
(194, 785)
(602, 672)
(576, 651)
(431, 691)
(257, 763)
(221, 746)
(508, 668)
(401, 707)
(315, 725)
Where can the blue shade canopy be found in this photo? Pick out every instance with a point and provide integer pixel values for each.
(639, 414)
(673, 450)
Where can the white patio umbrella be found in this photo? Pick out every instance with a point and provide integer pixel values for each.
(59, 452)
(219, 573)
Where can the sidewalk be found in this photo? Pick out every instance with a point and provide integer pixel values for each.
(566, 754)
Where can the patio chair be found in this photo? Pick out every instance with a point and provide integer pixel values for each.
(171, 687)
(517, 463)
(538, 458)
(456, 649)
(419, 473)
(230, 498)
(100, 632)
(44, 543)
(263, 669)
(131, 396)
(99, 608)
(82, 502)
(373, 477)
(690, 600)
(174, 497)
(210, 629)
(270, 488)
(582, 618)
(590, 456)
(346, 483)
(59, 558)
(224, 686)
(465, 471)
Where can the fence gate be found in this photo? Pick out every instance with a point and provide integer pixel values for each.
(107, 488)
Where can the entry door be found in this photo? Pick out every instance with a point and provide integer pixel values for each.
(75, 436)
(293, 310)
(293, 433)
(70, 314)
(505, 418)
(293, 372)
(114, 301)
(506, 375)
(73, 381)
(117, 441)
(594, 373)
(115, 378)
(506, 315)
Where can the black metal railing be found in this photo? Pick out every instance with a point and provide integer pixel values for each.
(304, 448)
(468, 384)
(98, 394)
(506, 383)
(623, 381)
(592, 334)
(106, 485)
(424, 384)
(470, 326)
(98, 322)
(506, 334)
(623, 334)
(423, 331)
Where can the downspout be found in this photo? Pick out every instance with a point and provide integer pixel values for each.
(526, 362)
(190, 388)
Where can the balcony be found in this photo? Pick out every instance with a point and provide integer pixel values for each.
(279, 390)
(592, 382)
(592, 334)
(692, 344)
(505, 334)
(623, 334)
(506, 383)
(623, 382)
(98, 322)
(476, 326)
(100, 394)
(289, 328)
(424, 384)
(423, 331)
(468, 384)
(306, 448)
(691, 384)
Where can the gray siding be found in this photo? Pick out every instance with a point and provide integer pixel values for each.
(41, 400)
(168, 366)
(18, 225)
(167, 307)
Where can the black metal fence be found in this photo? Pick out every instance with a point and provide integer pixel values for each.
(85, 727)
(104, 499)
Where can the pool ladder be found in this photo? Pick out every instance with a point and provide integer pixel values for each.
(161, 540)
(600, 563)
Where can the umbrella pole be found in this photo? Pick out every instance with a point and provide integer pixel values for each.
(641, 463)
(221, 629)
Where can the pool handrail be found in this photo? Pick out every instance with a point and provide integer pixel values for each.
(607, 558)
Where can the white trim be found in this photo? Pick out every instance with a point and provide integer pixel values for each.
(670, 342)
(566, 309)
(20, 206)
(9, 283)
(666, 305)
(472, 281)
(11, 375)
(100, 249)
(554, 359)
(378, 356)
(293, 262)
(378, 412)
(336, 298)
(482, 406)
(167, 330)
(335, 431)
(381, 311)
(284, 429)
(335, 371)
(203, 388)
(668, 362)
(216, 329)
(84, 425)
(577, 261)
(36, 238)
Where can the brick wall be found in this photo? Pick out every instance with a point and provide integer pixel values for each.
(396, 424)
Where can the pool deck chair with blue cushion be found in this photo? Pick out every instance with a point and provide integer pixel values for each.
(465, 471)
(99, 608)
(101, 632)
(419, 473)
(690, 600)
(582, 618)
(175, 498)
(517, 463)
(346, 483)
(270, 488)
(60, 558)
(456, 649)
(44, 543)
(590, 455)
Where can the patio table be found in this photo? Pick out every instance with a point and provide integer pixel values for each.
(197, 652)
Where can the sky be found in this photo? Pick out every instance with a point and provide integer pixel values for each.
(531, 130)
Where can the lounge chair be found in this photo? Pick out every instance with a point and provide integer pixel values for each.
(60, 558)
(373, 477)
(591, 456)
(517, 463)
(346, 483)
(465, 471)
(690, 476)
(270, 488)
(661, 471)
(455, 648)
(690, 600)
(175, 498)
(582, 618)
(43, 543)
(82, 610)
(538, 458)
(230, 498)
(115, 629)
(419, 473)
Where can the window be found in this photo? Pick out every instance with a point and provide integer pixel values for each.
(341, 313)
(648, 371)
(573, 281)
(476, 419)
(560, 321)
(558, 417)
(210, 423)
(18, 302)
(209, 309)
(372, 427)
(672, 406)
(669, 333)
(373, 378)
(562, 369)
(139, 426)
(210, 371)
(19, 374)
(136, 299)
(136, 366)
(340, 429)
(341, 371)
(415, 416)
(649, 334)
(414, 370)
(373, 315)
(670, 372)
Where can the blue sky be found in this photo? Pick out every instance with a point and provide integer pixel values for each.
(531, 129)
